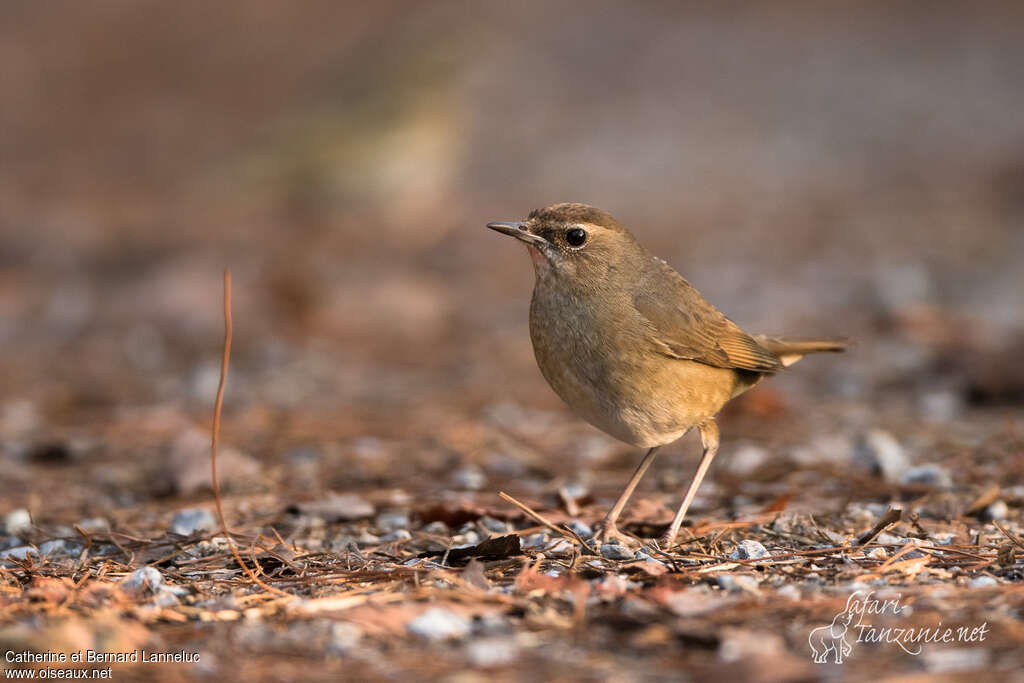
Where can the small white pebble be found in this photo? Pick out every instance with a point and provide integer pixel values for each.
(749, 550)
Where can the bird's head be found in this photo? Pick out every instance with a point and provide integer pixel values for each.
(574, 241)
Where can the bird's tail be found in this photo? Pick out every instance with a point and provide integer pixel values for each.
(790, 351)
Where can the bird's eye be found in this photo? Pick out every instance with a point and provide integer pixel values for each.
(576, 237)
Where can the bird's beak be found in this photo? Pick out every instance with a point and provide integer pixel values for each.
(518, 230)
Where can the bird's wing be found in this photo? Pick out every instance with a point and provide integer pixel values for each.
(684, 325)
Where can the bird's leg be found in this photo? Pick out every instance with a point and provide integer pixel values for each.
(608, 530)
(709, 439)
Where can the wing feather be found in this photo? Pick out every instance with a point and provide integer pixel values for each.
(686, 326)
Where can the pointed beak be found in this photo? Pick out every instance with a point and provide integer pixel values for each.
(518, 230)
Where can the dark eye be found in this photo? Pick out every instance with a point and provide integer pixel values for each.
(576, 237)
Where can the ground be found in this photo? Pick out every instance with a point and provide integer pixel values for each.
(855, 171)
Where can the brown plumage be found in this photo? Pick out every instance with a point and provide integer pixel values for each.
(632, 346)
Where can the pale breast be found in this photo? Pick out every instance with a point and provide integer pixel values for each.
(607, 371)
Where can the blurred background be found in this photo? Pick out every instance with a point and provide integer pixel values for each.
(852, 169)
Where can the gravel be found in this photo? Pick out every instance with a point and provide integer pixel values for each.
(614, 551)
(438, 624)
(94, 524)
(880, 452)
(19, 553)
(495, 525)
(17, 521)
(438, 528)
(747, 459)
(928, 474)
(338, 508)
(738, 583)
(193, 520)
(469, 478)
(487, 653)
(983, 582)
(995, 511)
(582, 529)
(391, 521)
(143, 578)
(60, 548)
(749, 550)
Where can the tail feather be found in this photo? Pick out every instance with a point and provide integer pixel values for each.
(790, 351)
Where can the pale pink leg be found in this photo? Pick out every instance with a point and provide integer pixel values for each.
(709, 439)
(608, 529)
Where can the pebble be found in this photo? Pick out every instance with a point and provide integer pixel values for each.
(583, 530)
(495, 525)
(439, 624)
(166, 598)
(614, 551)
(790, 592)
(59, 547)
(343, 507)
(888, 539)
(487, 653)
(439, 528)
(397, 535)
(832, 449)
(19, 553)
(366, 538)
(145, 577)
(344, 637)
(17, 521)
(391, 521)
(641, 555)
(878, 554)
(10, 542)
(835, 537)
(505, 466)
(467, 538)
(343, 544)
(207, 548)
(997, 510)
(738, 583)
(943, 405)
(94, 524)
(469, 478)
(559, 548)
(928, 474)
(880, 452)
(486, 625)
(983, 582)
(193, 520)
(535, 541)
(749, 550)
(747, 459)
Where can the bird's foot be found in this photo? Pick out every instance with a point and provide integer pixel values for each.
(609, 533)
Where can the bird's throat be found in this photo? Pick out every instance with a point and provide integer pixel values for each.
(540, 261)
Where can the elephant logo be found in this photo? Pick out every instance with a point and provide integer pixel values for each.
(831, 639)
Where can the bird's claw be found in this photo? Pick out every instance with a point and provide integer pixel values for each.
(609, 533)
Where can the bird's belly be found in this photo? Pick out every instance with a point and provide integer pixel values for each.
(630, 392)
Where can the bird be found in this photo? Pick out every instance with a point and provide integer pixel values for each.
(632, 347)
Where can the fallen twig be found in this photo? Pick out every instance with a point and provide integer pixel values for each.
(537, 516)
(891, 516)
(216, 435)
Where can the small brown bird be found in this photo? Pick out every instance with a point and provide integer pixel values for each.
(631, 346)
